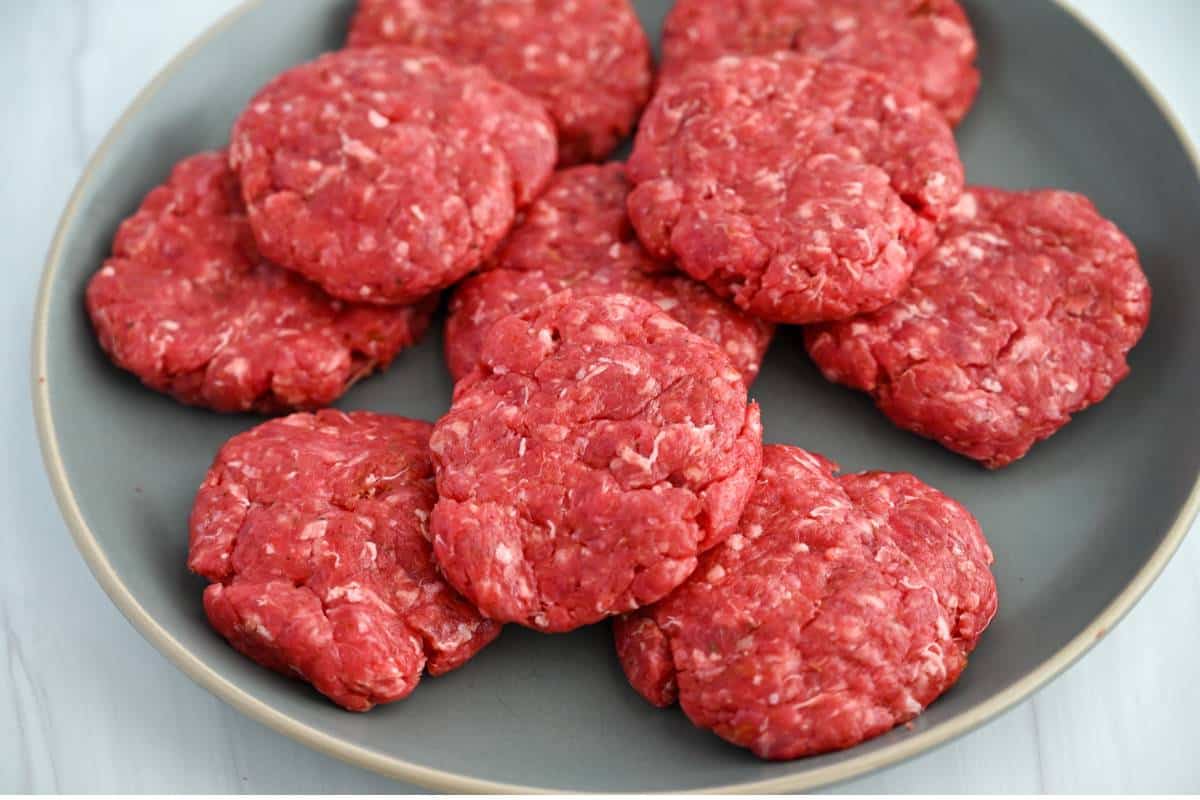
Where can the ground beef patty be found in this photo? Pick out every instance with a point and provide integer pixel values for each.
(385, 174)
(597, 448)
(799, 188)
(313, 531)
(925, 44)
(1022, 316)
(587, 60)
(578, 236)
(188, 305)
(841, 607)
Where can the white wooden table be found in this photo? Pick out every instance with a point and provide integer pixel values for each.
(87, 706)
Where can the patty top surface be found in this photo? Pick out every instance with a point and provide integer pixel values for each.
(840, 607)
(596, 450)
(387, 173)
(799, 188)
(1022, 316)
(313, 529)
(587, 60)
(927, 44)
(188, 304)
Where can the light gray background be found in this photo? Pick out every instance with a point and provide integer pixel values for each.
(87, 705)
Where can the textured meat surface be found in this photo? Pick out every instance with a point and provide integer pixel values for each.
(1022, 316)
(313, 529)
(385, 174)
(925, 44)
(187, 303)
(577, 236)
(841, 607)
(799, 188)
(595, 451)
(587, 60)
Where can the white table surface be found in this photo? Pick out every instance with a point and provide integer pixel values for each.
(86, 705)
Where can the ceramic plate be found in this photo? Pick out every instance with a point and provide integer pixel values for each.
(1080, 527)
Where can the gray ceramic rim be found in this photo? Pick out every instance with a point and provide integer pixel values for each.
(201, 673)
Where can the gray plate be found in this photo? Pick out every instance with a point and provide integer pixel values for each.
(1080, 527)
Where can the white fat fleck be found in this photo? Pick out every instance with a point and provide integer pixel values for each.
(872, 601)
(356, 149)
(586, 374)
(967, 206)
(353, 592)
(503, 554)
(412, 66)
(376, 119)
(715, 574)
(521, 448)
(631, 456)
(603, 333)
(992, 239)
(770, 179)
(237, 367)
(314, 530)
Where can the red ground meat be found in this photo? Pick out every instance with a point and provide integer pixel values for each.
(578, 236)
(385, 174)
(595, 451)
(841, 607)
(587, 60)
(188, 305)
(925, 44)
(796, 187)
(313, 531)
(1022, 316)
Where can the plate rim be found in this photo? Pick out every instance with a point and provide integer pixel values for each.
(395, 768)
